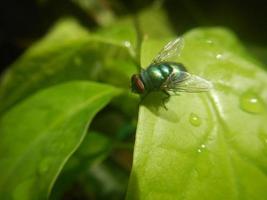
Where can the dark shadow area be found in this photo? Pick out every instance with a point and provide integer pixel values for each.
(23, 22)
(157, 103)
(246, 18)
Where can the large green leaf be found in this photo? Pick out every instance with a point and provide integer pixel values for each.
(40, 134)
(68, 52)
(205, 146)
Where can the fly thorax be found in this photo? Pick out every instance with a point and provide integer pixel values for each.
(155, 75)
(146, 80)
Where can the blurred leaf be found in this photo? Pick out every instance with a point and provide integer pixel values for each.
(100, 10)
(110, 181)
(89, 169)
(40, 134)
(67, 53)
(94, 145)
(93, 150)
(205, 146)
(121, 33)
(154, 22)
(104, 181)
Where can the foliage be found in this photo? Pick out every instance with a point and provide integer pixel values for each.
(198, 148)
(201, 146)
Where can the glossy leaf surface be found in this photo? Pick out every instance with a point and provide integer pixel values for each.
(210, 145)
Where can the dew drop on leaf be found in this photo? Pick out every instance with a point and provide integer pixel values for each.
(127, 44)
(194, 119)
(201, 149)
(220, 56)
(251, 103)
(209, 41)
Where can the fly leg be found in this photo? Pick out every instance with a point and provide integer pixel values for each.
(176, 93)
(165, 99)
(143, 97)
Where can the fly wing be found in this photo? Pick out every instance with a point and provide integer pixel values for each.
(186, 82)
(170, 50)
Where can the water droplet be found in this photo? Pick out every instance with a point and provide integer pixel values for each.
(219, 56)
(127, 44)
(194, 119)
(202, 148)
(251, 103)
(209, 41)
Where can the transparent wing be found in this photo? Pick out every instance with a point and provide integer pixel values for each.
(170, 50)
(186, 82)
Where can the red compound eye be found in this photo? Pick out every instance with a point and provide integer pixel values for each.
(137, 84)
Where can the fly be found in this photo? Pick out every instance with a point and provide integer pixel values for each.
(166, 76)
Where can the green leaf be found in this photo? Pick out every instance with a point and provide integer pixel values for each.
(41, 133)
(99, 11)
(92, 151)
(205, 146)
(121, 33)
(67, 53)
(149, 16)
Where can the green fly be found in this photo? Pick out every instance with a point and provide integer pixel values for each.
(167, 76)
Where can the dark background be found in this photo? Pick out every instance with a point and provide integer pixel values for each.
(23, 22)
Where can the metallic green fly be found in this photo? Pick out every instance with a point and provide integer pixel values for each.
(167, 76)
